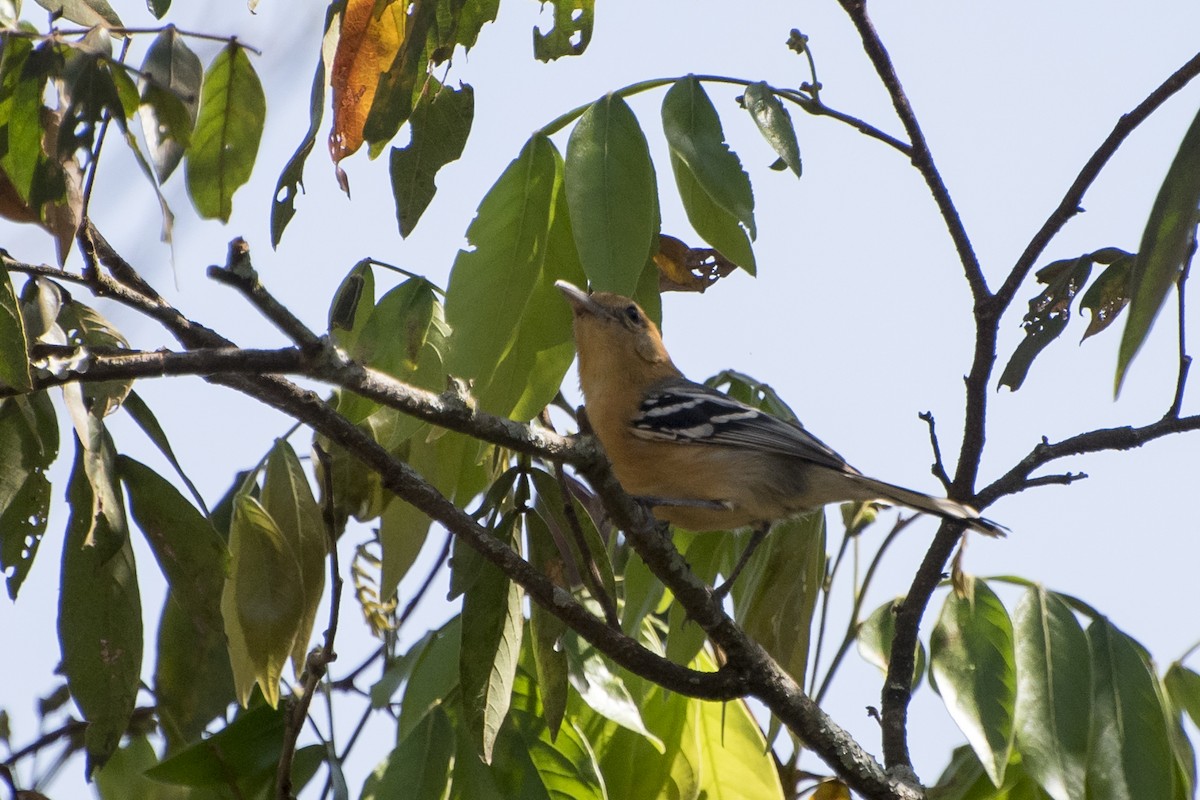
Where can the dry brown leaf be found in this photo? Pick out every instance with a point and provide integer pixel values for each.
(366, 49)
(688, 269)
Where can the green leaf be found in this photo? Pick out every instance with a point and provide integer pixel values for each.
(352, 305)
(170, 100)
(122, 776)
(1108, 294)
(291, 179)
(396, 91)
(695, 138)
(108, 527)
(434, 678)
(188, 549)
(265, 592)
(774, 123)
(602, 690)
(642, 593)
(1168, 235)
(573, 20)
(612, 195)
(1183, 687)
(88, 13)
(714, 224)
(1130, 755)
(1053, 694)
(245, 750)
(518, 352)
(440, 125)
(225, 142)
(193, 681)
(140, 413)
(99, 625)
(736, 762)
(972, 659)
(685, 637)
(23, 79)
(288, 498)
(28, 446)
(549, 656)
(550, 505)
(1048, 315)
(875, 635)
(91, 94)
(491, 644)
(419, 766)
(159, 8)
(780, 588)
(87, 328)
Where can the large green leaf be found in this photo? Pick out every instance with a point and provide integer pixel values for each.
(88, 13)
(1165, 243)
(735, 761)
(774, 123)
(434, 678)
(602, 690)
(193, 682)
(288, 498)
(491, 644)
(1183, 686)
(782, 583)
(419, 766)
(28, 446)
(875, 636)
(23, 76)
(1053, 693)
(99, 625)
(170, 100)
(189, 550)
(549, 655)
(440, 125)
(695, 137)
(612, 195)
(573, 20)
(14, 355)
(512, 332)
(225, 142)
(1130, 755)
(972, 659)
(246, 750)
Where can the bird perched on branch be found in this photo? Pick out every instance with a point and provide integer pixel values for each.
(699, 458)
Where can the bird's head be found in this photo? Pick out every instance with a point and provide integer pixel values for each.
(613, 327)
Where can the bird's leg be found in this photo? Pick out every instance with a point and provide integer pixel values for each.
(756, 538)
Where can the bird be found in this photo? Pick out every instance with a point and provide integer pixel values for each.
(698, 458)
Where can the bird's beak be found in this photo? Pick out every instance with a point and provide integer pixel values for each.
(580, 300)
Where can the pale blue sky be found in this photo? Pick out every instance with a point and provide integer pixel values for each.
(859, 316)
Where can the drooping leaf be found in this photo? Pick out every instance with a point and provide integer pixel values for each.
(90, 94)
(291, 179)
(602, 690)
(28, 446)
(86, 328)
(1048, 315)
(549, 655)
(99, 625)
(688, 269)
(1183, 686)
(1108, 295)
(685, 637)
(23, 76)
(572, 30)
(774, 123)
(522, 242)
(779, 590)
(1170, 232)
(170, 100)
(972, 659)
(228, 130)
(288, 499)
(352, 305)
(193, 681)
(1053, 694)
(419, 766)
(189, 551)
(140, 413)
(472, 17)
(14, 354)
(695, 137)
(713, 223)
(551, 506)
(440, 124)
(734, 758)
(265, 594)
(435, 676)
(491, 644)
(400, 84)
(371, 35)
(612, 195)
(88, 13)
(1129, 755)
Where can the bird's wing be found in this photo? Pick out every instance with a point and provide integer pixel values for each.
(690, 413)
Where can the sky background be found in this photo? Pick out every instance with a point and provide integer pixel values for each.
(859, 318)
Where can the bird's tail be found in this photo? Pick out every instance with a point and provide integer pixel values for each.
(942, 507)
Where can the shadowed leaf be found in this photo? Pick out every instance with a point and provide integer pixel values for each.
(573, 20)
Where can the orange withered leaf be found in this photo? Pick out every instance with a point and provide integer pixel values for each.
(372, 33)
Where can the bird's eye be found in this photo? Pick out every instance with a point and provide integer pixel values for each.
(632, 313)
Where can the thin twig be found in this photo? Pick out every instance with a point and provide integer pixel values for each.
(1063, 479)
(938, 469)
(1185, 361)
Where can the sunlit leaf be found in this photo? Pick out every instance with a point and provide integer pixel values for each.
(28, 446)
(225, 142)
(170, 100)
(972, 659)
(288, 498)
(774, 123)
(612, 195)
(371, 35)
(1129, 755)
(1183, 686)
(1170, 232)
(602, 690)
(1048, 315)
(440, 124)
(402, 77)
(1053, 694)
(99, 625)
(83, 12)
(86, 327)
(875, 636)
(572, 30)
(419, 766)
(23, 76)
(688, 269)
